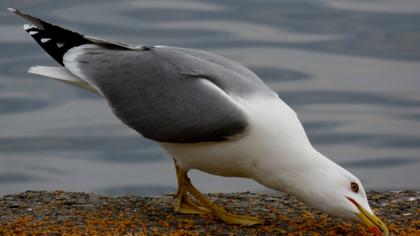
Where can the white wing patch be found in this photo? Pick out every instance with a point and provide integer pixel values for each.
(44, 40)
(27, 26)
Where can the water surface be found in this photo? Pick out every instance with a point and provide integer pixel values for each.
(351, 70)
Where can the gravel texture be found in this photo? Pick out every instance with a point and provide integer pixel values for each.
(67, 213)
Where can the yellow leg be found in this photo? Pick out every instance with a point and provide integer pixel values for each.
(201, 205)
(184, 203)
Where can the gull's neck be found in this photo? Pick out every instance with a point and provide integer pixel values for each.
(284, 172)
(288, 155)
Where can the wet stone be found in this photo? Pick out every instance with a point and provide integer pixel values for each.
(14, 205)
(62, 213)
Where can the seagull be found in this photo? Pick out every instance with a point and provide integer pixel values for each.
(210, 114)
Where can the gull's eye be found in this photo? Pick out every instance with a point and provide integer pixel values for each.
(354, 187)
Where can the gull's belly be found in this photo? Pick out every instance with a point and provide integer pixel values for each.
(231, 159)
(274, 134)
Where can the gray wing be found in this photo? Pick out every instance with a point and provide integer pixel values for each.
(163, 93)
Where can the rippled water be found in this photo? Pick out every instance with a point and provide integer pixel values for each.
(351, 69)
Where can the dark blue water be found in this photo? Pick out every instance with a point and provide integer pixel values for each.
(351, 70)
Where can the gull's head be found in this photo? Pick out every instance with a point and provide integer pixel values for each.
(332, 189)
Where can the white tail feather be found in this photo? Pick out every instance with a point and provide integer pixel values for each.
(63, 75)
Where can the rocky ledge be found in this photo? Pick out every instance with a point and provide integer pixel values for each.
(67, 213)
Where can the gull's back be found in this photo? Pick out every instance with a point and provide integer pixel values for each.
(191, 89)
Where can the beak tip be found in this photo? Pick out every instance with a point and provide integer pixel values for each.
(375, 231)
(376, 226)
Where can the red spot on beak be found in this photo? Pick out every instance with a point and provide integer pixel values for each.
(375, 231)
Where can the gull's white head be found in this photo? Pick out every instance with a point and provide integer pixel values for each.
(330, 188)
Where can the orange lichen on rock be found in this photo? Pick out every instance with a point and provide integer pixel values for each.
(42, 213)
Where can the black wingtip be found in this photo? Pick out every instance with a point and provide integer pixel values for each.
(56, 41)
